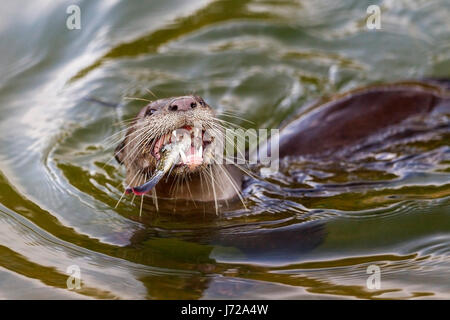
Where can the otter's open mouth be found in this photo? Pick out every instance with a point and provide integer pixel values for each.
(194, 154)
(185, 148)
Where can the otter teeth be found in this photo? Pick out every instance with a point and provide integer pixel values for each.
(199, 152)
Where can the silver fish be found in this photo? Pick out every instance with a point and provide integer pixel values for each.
(170, 156)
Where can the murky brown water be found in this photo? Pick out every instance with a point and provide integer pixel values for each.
(313, 228)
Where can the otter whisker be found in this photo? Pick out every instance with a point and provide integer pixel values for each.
(233, 184)
(123, 122)
(121, 197)
(118, 135)
(201, 181)
(228, 123)
(214, 191)
(138, 99)
(123, 148)
(138, 145)
(222, 180)
(189, 190)
(228, 140)
(149, 91)
(218, 124)
(155, 199)
(124, 192)
(236, 117)
(142, 202)
(231, 108)
(142, 197)
(174, 186)
(245, 170)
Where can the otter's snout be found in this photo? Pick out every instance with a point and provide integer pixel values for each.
(182, 104)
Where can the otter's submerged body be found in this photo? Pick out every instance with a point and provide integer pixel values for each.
(333, 129)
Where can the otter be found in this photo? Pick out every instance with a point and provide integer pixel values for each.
(332, 129)
(151, 130)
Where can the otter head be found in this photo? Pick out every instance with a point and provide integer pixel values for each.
(154, 128)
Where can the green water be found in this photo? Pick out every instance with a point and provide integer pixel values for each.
(312, 229)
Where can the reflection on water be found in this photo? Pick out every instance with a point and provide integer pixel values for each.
(311, 230)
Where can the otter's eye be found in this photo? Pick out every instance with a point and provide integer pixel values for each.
(149, 112)
(193, 105)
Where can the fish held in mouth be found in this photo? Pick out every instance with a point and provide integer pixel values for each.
(182, 147)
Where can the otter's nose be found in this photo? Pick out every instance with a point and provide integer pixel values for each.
(183, 104)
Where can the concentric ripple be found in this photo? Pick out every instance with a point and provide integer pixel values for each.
(311, 230)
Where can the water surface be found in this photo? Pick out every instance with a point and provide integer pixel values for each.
(311, 230)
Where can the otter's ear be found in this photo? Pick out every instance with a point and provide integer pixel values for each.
(119, 153)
